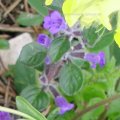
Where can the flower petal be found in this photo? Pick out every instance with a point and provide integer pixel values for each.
(5, 116)
(62, 103)
(44, 40)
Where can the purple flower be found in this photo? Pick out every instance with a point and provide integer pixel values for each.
(102, 59)
(95, 59)
(44, 40)
(47, 60)
(62, 103)
(54, 22)
(5, 116)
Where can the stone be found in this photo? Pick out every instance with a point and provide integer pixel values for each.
(10, 56)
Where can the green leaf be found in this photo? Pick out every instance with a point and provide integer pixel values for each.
(116, 53)
(39, 6)
(24, 106)
(23, 76)
(77, 61)
(58, 47)
(33, 55)
(67, 116)
(114, 110)
(36, 97)
(55, 116)
(4, 44)
(92, 91)
(57, 5)
(110, 65)
(102, 41)
(70, 79)
(90, 34)
(27, 19)
(98, 38)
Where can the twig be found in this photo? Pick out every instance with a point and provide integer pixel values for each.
(4, 36)
(103, 102)
(2, 90)
(2, 72)
(4, 85)
(7, 93)
(97, 40)
(12, 104)
(35, 30)
(5, 9)
(46, 111)
(13, 5)
(9, 28)
(27, 10)
(103, 114)
(12, 86)
(5, 69)
(26, 6)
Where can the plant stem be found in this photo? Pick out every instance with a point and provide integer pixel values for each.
(4, 109)
(103, 102)
(103, 114)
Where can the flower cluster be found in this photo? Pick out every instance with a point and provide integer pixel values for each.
(95, 59)
(54, 22)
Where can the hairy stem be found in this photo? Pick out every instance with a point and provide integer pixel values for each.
(103, 102)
